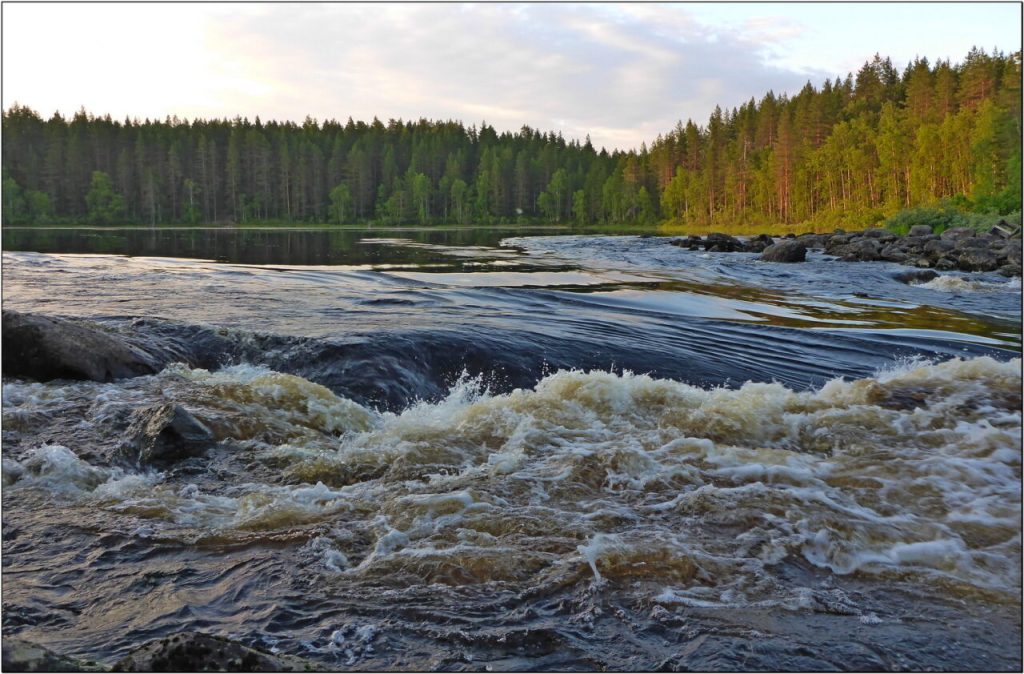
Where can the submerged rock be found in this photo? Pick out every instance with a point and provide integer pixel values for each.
(194, 652)
(916, 276)
(44, 348)
(166, 433)
(24, 656)
(788, 250)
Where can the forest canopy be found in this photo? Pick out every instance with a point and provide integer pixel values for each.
(850, 151)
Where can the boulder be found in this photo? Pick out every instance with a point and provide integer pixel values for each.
(915, 276)
(954, 233)
(813, 240)
(194, 652)
(1010, 270)
(861, 250)
(785, 251)
(945, 264)
(882, 235)
(937, 247)
(165, 433)
(722, 243)
(758, 243)
(892, 253)
(44, 348)
(24, 656)
(920, 230)
(977, 259)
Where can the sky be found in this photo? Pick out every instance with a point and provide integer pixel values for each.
(622, 73)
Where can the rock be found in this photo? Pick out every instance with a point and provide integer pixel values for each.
(893, 253)
(24, 656)
(1010, 270)
(937, 247)
(813, 240)
(193, 652)
(882, 235)
(977, 259)
(945, 264)
(861, 250)
(785, 251)
(44, 348)
(971, 242)
(920, 230)
(920, 262)
(722, 243)
(954, 233)
(165, 433)
(836, 241)
(758, 243)
(915, 276)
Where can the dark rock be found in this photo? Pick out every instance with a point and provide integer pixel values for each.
(165, 433)
(945, 264)
(836, 241)
(722, 243)
(977, 259)
(24, 656)
(920, 230)
(893, 253)
(758, 243)
(1010, 270)
(862, 250)
(954, 233)
(646, 236)
(44, 348)
(785, 251)
(915, 276)
(882, 235)
(937, 247)
(813, 240)
(1013, 252)
(971, 242)
(192, 652)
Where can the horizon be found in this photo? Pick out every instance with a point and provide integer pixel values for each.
(620, 74)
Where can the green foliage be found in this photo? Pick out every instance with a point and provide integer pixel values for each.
(105, 206)
(341, 204)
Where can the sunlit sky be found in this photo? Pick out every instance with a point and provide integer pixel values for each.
(621, 73)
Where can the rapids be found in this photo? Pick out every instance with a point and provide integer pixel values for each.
(553, 453)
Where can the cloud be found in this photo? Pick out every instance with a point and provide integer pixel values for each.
(622, 73)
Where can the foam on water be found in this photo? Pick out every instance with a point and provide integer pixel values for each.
(615, 478)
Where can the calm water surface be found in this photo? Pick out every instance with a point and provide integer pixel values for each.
(498, 450)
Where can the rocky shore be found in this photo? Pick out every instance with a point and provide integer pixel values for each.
(959, 248)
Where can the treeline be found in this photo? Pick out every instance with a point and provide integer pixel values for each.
(852, 151)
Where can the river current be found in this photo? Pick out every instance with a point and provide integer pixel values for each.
(485, 450)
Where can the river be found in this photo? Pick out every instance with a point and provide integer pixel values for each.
(475, 449)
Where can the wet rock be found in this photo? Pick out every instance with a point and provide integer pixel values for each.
(881, 235)
(954, 233)
(44, 348)
(717, 242)
(1010, 270)
(945, 264)
(165, 433)
(785, 251)
(920, 230)
(24, 656)
(813, 240)
(193, 652)
(916, 276)
(920, 262)
(861, 250)
(977, 259)
(937, 247)
(893, 254)
(758, 243)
